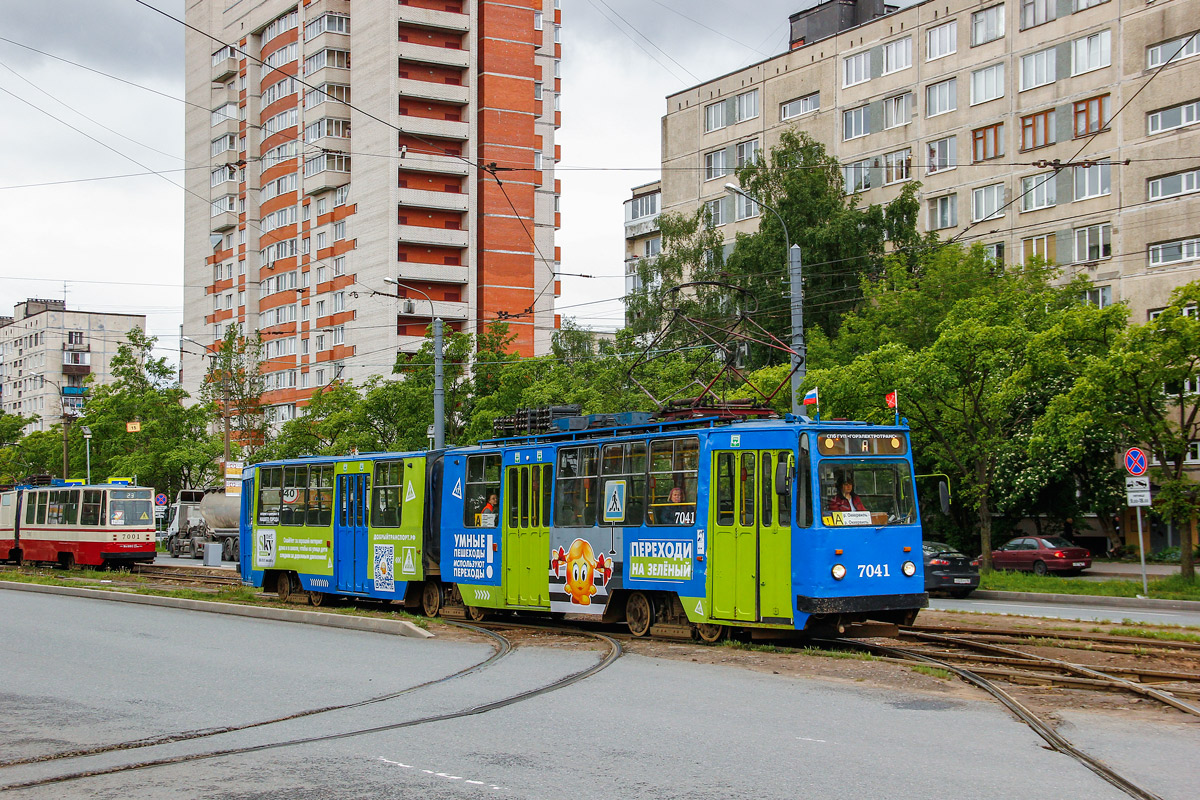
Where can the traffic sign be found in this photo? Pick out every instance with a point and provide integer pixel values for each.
(160, 499)
(1137, 484)
(1135, 461)
(1134, 499)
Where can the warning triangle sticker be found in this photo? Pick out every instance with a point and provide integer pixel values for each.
(411, 494)
(700, 607)
(409, 566)
(457, 489)
(144, 516)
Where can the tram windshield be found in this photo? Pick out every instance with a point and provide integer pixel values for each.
(130, 507)
(866, 492)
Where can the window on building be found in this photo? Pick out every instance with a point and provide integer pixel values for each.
(1042, 247)
(1038, 130)
(994, 252)
(1175, 185)
(897, 110)
(802, 105)
(339, 230)
(1098, 296)
(856, 122)
(328, 22)
(714, 165)
(1038, 191)
(942, 155)
(715, 215)
(943, 212)
(644, 206)
(714, 116)
(1038, 69)
(1090, 52)
(941, 40)
(1037, 12)
(1093, 242)
(987, 202)
(897, 55)
(987, 84)
(1167, 119)
(897, 166)
(1093, 181)
(747, 153)
(1176, 252)
(537, 21)
(987, 25)
(652, 247)
(856, 69)
(941, 97)
(1091, 115)
(1175, 50)
(339, 266)
(747, 105)
(987, 143)
(744, 207)
(857, 176)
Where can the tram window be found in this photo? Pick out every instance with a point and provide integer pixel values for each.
(43, 499)
(547, 488)
(626, 462)
(746, 492)
(535, 497)
(514, 496)
(804, 509)
(360, 508)
(482, 484)
(674, 470)
(320, 495)
(270, 495)
(93, 507)
(766, 491)
(524, 475)
(30, 507)
(881, 492)
(130, 507)
(295, 486)
(725, 488)
(54, 511)
(577, 487)
(387, 505)
(71, 507)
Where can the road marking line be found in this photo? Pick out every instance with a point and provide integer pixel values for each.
(806, 739)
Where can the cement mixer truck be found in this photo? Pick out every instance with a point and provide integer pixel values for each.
(201, 516)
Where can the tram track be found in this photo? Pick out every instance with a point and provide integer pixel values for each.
(610, 657)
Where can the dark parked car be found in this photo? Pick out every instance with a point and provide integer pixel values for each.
(947, 570)
(1042, 554)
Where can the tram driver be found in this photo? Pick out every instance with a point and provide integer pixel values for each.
(846, 499)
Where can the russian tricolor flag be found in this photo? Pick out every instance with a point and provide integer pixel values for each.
(811, 397)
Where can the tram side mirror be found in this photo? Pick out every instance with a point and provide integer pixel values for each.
(783, 478)
(944, 496)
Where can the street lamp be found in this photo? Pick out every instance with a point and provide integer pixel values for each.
(87, 441)
(225, 392)
(439, 392)
(794, 266)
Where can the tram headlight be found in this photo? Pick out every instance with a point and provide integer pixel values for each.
(909, 568)
(838, 572)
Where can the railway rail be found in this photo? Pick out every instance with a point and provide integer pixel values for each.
(504, 647)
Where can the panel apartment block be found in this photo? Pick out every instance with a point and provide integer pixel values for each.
(351, 141)
(977, 101)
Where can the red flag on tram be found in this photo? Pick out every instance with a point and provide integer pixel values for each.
(891, 399)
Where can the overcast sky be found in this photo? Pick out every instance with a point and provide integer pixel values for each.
(116, 244)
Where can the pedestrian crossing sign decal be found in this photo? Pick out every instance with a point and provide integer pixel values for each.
(614, 501)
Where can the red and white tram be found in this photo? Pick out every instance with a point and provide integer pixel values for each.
(76, 524)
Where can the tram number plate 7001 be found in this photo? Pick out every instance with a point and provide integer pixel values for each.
(873, 571)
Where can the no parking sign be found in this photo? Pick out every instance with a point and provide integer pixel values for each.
(1135, 461)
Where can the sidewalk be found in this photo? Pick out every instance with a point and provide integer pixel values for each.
(1123, 569)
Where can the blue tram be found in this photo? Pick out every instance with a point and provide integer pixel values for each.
(680, 528)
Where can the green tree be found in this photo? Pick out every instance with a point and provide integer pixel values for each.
(1144, 391)
(234, 385)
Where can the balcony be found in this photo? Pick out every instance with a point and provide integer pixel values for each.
(434, 237)
(428, 18)
(438, 92)
(224, 68)
(76, 369)
(443, 128)
(77, 347)
(433, 273)
(74, 391)
(425, 54)
(324, 181)
(428, 162)
(223, 221)
(445, 201)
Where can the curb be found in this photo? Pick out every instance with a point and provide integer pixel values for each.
(1091, 600)
(395, 627)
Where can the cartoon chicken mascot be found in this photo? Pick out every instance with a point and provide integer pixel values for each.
(583, 567)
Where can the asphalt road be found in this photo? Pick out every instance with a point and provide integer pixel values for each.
(82, 672)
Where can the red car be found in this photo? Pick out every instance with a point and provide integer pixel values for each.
(1042, 554)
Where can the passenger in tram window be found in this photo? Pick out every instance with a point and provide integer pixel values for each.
(488, 516)
(846, 499)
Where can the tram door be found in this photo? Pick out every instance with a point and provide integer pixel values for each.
(527, 490)
(350, 533)
(750, 545)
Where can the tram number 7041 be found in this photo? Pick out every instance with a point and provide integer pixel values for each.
(873, 571)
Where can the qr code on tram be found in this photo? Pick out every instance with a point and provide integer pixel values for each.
(385, 565)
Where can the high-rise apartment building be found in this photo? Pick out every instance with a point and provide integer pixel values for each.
(642, 237)
(47, 351)
(981, 102)
(351, 141)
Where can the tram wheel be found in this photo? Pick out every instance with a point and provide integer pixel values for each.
(710, 632)
(431, 598)
(16, 556)
(283, 586)
(66, 560)
(639, 613)
(317, 599)
(227, 549)
(476, 614)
